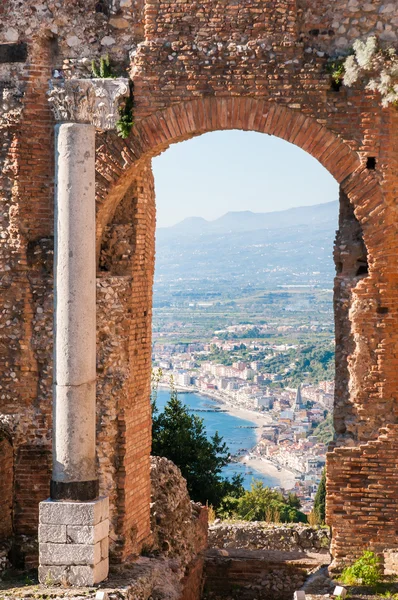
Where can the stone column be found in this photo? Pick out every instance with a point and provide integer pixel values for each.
(74, 522)
(74, 468)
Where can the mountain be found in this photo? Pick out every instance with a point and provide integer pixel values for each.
(246, 250)
(319, 214)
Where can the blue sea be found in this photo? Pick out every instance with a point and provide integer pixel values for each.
(237, 433)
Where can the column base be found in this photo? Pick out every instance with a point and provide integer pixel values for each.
(82, 491)
(74, 542)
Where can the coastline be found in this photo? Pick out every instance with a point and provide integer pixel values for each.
(287, 478)
(259, 419)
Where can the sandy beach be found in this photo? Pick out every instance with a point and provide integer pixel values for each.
(264, 466)
(259, 419)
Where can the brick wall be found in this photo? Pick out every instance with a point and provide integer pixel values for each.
(361, 497)
(137, 410)
(128, 249)
(6, 487)
(32, 479)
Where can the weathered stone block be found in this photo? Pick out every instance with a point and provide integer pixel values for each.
(340, 592)
(85, 534)
(52, 533)
(73, 541)
(104, 548)
(391, 562)
(70, 554)
(74, 513)
(76, 575)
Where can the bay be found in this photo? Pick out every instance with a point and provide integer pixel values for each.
(237, 433)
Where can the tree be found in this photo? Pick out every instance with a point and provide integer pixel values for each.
(261, 503)
(181, 437)
(320, 500)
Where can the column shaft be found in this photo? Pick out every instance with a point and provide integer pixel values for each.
(74, 466)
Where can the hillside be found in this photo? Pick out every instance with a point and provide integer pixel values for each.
(245, 251)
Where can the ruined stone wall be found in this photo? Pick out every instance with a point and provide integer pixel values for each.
(350, 256)
(256, 560)
(335, 24)
(264, 536)
(255, 574)
(196, 68)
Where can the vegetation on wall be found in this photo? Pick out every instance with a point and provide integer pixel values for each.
(104, 71)
(377, 66)
(125, 122)
(335, 67)
(368, 62)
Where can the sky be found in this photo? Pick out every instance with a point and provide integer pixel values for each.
(223, 171)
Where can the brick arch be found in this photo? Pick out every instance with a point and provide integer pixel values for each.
(117, 161)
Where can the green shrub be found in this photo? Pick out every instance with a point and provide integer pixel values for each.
(366, 570)
(105, 68)
(125, 122)
(261, 503)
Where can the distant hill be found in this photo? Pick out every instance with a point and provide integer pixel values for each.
(246, 250)
(319, 214)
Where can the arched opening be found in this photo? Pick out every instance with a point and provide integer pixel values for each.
(246, 226)
(125, 179)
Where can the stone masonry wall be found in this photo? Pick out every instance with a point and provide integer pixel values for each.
(256, 560)
(217, 65)
(263, 536)
(255, 574)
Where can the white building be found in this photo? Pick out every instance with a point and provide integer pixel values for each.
(183, 379)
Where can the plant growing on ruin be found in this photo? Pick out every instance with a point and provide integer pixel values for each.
(211, 514)
(125, 122)
(105, 69)
(366, 570)
(312, 519)
(376, 66)
(379, 66)
(336, 69)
